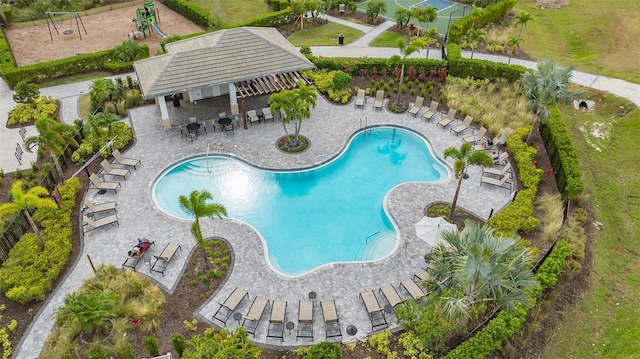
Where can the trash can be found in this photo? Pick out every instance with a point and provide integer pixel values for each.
(176, 100)
(341, 39)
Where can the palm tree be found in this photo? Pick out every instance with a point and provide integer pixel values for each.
(295, 105)
(464, 157)
(25, 201)
(100, 124)
(196, 205)
(514, 44)
(522, 19)
(431, 38)
(475, 36)
(476, 266)
(547, 85)
(425, 14)
(375, 8)
(402, 16)
(405, 51)
(54, 137)
(101, 90)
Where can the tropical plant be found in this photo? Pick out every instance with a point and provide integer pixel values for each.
(102, 90)
(197, 206)
(475, 35)
(221, 344)
(431, 38)
(514, 44)
(128, 50)
(522, 19)
(464, 157)
(375, 8)
(547, 85)
(402, 17)
(425, 15)
(53, 137)
(295, 105)
(26, 201)
(477, 267)
(87, 310)
(99, 124)
(26, 93)
(405, 51)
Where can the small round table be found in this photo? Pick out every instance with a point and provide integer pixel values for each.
(224, 121)
(289, 326)
(312, 295)
(193, 127)
(237, 316)
(352, 330)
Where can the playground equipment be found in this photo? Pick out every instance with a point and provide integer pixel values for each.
(49, 17)
(146, 20)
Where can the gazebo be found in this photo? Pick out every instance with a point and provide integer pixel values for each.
(240, 62)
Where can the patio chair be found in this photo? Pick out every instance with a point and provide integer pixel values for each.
(100, 207)
(111, 171)
(376, 314)
(215, 124)
(229, 305)
(451, 116)
(193, 120)
(202, 128)
(276, 322)
(331, 320)
(421, 274)
(391, 295)
(267, 115)
(463, 126)
(94, 224)
(360, 98)
(252, 319)
(253, 116)
(413, 289)
(498, 171)
(477, 137)
(191, 135)
(132, 262)
(417, 106)
(102, 185)
(183, 131)
(377, 104)
(305, 319)
(433, 109)
(500, 182)
(119, 159)
(165, 257)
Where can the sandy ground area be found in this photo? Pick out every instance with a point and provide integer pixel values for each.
(105, 30)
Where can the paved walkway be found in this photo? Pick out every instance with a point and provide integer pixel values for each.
(329, 130)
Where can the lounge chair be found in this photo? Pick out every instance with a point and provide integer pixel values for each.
(451, 116)
(391, 295)
(252, 319)
(417, 106)
(477, 137)
(102, 185)
(276, 322)
(498, 171)
(117, 158)
(165, 257)
(413, 289)
(132, 262)
(481, 147)
(360, 98)
(433, 109)
(253, 116)
(377, 104)
(500, 182)
(305, 319)
(331, 321)
(502, 159)
(99, 222)
(267, 115)
(100, 207)
(230, 304)
(120, 172)
(421, 275)
(376, 314)
(463, 126)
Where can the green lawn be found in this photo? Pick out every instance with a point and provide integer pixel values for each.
(75, 78)
(234, 11)
(597, 36)
(325, 35)
(606, 323)
(386, 39)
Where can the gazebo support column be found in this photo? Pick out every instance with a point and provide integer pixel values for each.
(244, 114)
(233, 98)
(164, 113)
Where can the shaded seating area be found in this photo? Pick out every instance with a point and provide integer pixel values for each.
(102, 185)
(90, 224)
(252, 319)
(305, 319)
(99, 207)
(277, 319)
(391, 295)
(377, 103)
(252, 116)
(413, 289)
(433, 109)
(132, 262)
(267, 115)
(331, 320)
(229, 305)
(417, 106)
(360, 96)
(376, 314)
(165, 257)
(112, 171)
(451, 116)
(463, 126)
(119, 159)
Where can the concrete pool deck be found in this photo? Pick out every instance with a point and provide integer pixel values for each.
(329, 130)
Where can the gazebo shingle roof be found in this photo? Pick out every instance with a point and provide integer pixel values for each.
(221, 57)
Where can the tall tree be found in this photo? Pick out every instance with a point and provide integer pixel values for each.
(426, 15)
(53, 137)
(475, 266)
(514, 44)
(522, 19)
(402, 17)
(26, 201)
(431, 38)
(197, 205)
(547, 85)
(375, 8)
(464, 157)
(475, 36)
(405, 51)
(294, 105)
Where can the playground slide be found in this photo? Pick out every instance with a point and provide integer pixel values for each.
(158, 30)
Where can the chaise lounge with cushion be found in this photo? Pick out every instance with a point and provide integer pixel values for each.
(305, 319)
(331, 320)
(277, 320)
(376, 314)
(451, 116)
(163, 260)
(132, 262)
(417, 106)
(433, 109)
(377, 104)
(252, 319)
(110, 170)
(98, 222)
(391, 295)
(99, 207)
(102, 185)
(413, 289)
(360, 98)
(119, 159)
(230, 304)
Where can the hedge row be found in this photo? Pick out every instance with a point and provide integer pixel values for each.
(29, 271)
(44, 71)
(353, 66)
(556, 135)
(478, 19)
(272, 19)
(6, 59)
(518, 216)
(484, 69)
(195, 13)
(506, 323)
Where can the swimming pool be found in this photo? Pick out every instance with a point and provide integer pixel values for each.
(309, 218)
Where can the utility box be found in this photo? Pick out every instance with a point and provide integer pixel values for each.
(341, 39)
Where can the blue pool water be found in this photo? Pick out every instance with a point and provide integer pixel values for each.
(317, 216)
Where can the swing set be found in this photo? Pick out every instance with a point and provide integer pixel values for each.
(49, 17)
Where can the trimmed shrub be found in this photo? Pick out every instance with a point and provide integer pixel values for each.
(195, 13)
(484, 69)
(341, 80)
(478, 19)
